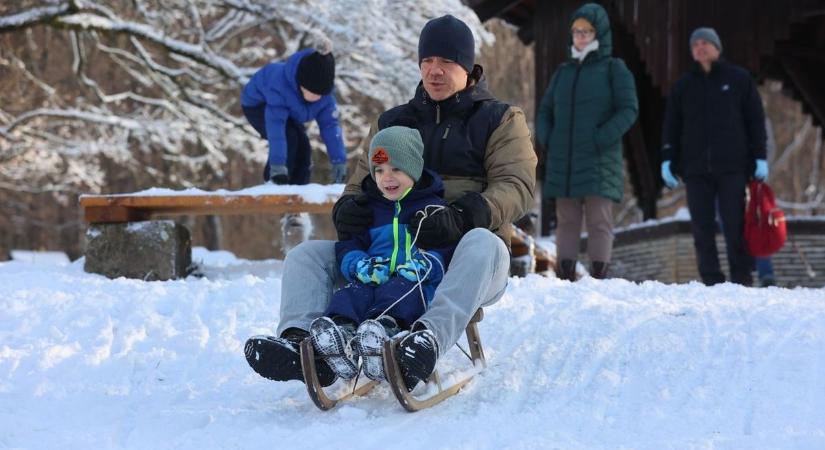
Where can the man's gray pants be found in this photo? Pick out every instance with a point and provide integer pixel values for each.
(476, 277)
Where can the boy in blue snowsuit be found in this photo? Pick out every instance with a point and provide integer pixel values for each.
(391, 281)
(277, 101)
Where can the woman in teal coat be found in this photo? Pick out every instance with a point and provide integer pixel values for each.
(590, 103)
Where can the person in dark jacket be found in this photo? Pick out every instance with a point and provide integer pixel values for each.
(587, 108)
(482, 150)
(390, 280)
(280, 98)
(714, 138)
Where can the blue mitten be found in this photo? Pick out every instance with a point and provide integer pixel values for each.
(667, 175)
(278, 174)
(373, 270)
(761, 172)
(412, 267)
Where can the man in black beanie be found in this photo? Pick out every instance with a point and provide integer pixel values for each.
(280, 98)
(483, 150)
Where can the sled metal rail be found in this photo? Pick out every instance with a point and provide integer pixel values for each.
(133, 208)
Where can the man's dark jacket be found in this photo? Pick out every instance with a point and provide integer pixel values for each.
(714, 122)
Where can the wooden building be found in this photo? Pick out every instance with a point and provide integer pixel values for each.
(777, 39)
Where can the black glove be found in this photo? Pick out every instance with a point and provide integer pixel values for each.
(351, 216)
(447, 226)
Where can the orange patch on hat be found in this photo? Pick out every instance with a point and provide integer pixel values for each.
(380, 156)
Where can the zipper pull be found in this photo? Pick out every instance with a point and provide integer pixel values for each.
(437, 113)
(446, 132)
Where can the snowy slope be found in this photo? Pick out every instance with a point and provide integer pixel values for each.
(92, 363)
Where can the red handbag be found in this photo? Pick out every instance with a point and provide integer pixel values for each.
(765, 228)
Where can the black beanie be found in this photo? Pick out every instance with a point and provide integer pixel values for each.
(450, 38)
(316, 73)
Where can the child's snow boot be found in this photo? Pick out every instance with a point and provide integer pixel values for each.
(368, 343)
(279, 358)
(331, 342)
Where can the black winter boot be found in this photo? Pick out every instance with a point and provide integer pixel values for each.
(566, 269)
(598, 270)
(279, 358)
(417, 353)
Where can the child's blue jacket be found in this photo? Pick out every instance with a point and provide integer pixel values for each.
(390, 235)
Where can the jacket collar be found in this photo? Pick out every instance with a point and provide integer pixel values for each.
(459, 103)
(429, 184)
(715, 67)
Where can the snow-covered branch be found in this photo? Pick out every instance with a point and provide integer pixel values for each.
(33, 17)
(144, 83)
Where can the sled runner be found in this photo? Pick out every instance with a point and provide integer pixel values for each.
(316, 391)
(412, 403)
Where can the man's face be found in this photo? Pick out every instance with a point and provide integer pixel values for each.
(704, 52)
(442, 77)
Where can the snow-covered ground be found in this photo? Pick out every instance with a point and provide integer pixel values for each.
(92, 363)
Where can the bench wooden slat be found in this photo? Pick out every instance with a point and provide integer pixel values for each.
(128, 208)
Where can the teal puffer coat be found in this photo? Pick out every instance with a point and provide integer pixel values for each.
(586, 109)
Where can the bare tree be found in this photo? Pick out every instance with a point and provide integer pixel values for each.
(124, 94)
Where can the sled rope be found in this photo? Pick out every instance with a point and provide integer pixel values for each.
(426, 213)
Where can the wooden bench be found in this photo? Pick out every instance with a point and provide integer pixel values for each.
(317, 199)
(151, 204)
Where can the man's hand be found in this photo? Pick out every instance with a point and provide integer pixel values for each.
(761, 172)
(351, 215)
(441, 228)
(667, 175)
(448, 225)
(339, 173)
(372, 271)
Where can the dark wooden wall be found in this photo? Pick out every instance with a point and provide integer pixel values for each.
(778, 39)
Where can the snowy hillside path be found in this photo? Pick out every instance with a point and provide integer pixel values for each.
(87, 362)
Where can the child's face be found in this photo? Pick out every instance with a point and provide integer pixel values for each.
(392, 182)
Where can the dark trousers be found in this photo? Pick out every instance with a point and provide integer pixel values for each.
(703, 193)
(298, 150)
(360, 302)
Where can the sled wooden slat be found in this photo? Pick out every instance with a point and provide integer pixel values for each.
(130, 208)
(314, 388)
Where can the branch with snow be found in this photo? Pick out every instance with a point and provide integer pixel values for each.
(169, 91)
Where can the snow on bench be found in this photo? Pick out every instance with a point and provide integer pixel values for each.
(150, 203)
